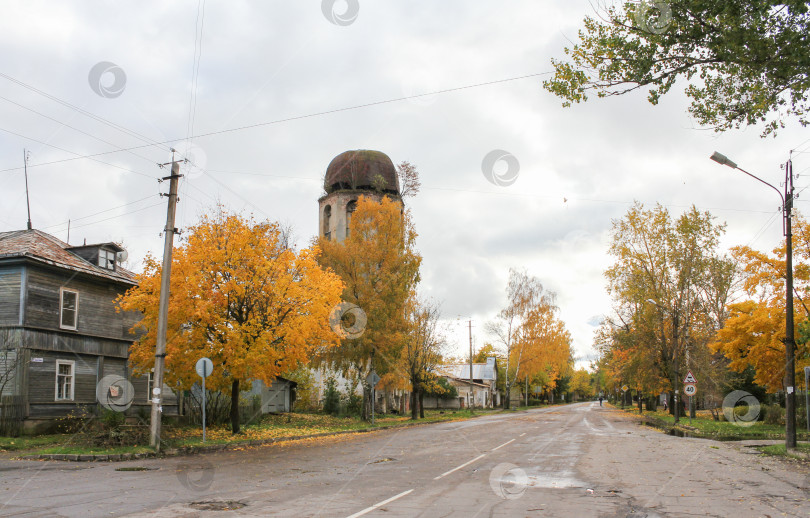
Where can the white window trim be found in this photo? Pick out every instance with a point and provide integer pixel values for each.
(62, 325)
(149, 381)
(72, 380)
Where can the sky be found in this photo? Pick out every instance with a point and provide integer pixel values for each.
(260, 96)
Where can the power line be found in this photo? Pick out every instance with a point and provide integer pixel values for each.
(84, 112)
(159, 204)
(195, 65)
(71, 127)
(66, 151)
(287, 119)
(100, 212)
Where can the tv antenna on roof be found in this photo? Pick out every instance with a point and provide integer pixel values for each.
(27, 201)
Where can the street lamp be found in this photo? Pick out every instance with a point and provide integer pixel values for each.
(675, 403)
(790, 342)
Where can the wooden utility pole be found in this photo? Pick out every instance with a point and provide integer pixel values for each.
(163, 308)
(790, 339)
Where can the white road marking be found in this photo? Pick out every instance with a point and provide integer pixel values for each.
(376, 506)
(521, 435)
(458, 468)
(502, 445)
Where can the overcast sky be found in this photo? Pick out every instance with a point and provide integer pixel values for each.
(290, 71)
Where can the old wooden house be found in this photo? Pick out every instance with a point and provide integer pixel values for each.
(60, 333)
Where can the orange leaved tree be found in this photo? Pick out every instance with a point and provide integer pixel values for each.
(379, 267)
(240, 297)
(755, 329)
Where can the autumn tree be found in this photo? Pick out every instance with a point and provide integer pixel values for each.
(532, 338)
(545, 347)
(240, 297)
(742, 61)
(669, 285)
(581, 384)
(422, 349)
(753, 335)
(379, 266)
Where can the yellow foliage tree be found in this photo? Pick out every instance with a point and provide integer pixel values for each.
(379, 266)
(581, 384)
(754, 331)
(535, 341)
(240, 297)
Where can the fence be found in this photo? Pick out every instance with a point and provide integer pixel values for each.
(11, 416)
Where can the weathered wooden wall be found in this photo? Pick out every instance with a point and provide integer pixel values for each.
(10, 280)
(97, 315)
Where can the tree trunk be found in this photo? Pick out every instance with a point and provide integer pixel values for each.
(421, 403)
(235, 407)
(640, 402)
(413, 406)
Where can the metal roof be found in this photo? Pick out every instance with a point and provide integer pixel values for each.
(481, 371)
(42, 247)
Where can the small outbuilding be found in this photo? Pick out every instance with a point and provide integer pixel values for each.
(278, 397)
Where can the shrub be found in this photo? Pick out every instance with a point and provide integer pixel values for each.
(773, 414)
(331, 397)
(74, 422)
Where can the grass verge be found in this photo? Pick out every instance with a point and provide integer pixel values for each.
(802, 451)
(277, 426)
(704, 425)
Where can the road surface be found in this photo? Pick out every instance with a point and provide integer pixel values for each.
(577, 460)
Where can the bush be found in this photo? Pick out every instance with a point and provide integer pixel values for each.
(331, 397)
(772, 414)
(354, 404)
(74, 422)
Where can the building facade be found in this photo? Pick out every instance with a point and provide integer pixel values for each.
(60, 332)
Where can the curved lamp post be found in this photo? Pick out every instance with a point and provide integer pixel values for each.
(790, 341)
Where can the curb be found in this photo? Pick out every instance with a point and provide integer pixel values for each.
(192, 450)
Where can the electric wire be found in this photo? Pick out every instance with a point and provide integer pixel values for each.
(67, 151)
(86, 113)
(100, 212)
(289, 119)
(73, 128)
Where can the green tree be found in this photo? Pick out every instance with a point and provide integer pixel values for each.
(743, 61)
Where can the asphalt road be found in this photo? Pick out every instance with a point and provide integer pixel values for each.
(576, 460)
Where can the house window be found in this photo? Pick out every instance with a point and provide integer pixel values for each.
(149, 381)
(106, 259)
(69, 306)
(64, 380)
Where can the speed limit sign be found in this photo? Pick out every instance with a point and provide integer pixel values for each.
(690, 389)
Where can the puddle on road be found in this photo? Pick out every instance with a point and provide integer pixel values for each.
(554, 481)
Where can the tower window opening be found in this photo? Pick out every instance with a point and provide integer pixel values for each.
(350, 207)
(327, 222)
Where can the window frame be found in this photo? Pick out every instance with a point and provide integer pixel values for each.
(109, 259)
(72, 364)
(149, 381)
(62, 324)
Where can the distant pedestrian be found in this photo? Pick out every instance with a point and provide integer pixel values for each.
(665, 406)
(600, 400)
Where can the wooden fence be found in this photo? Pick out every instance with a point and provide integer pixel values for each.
(11, 415)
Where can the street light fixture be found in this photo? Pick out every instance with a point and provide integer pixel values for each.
(790, 341)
